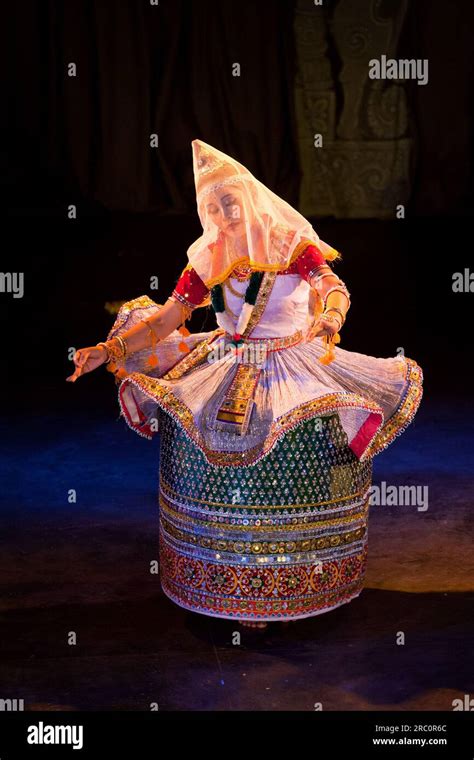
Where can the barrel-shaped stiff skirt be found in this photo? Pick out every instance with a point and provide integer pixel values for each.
(281, 539)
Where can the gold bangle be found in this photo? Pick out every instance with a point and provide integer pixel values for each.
(338, 310)
(116, 350)
(106, 351)
(325, 315)
(123, 345)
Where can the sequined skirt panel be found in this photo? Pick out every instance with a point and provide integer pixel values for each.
(281, 539)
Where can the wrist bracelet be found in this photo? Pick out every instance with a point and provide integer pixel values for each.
(338, 310)
(107, 360)
(123, 345)
(116, 351)
(331, 319)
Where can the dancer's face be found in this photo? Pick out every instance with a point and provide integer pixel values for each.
(226, 208)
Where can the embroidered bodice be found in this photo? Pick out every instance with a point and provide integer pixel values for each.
(286, 309)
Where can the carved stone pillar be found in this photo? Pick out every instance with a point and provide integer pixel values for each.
(362, 168)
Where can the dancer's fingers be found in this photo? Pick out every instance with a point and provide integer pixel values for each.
(77, 373)
(80, 358)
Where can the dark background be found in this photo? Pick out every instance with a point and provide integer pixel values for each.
(84, 566)
(145, 69)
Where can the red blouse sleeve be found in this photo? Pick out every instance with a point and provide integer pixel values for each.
(309, 261)
(190, 290)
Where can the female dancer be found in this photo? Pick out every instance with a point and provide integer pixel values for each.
(267, 427)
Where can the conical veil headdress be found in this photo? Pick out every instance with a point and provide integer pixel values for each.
(271, 233)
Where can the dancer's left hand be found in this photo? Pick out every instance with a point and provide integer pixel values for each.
(325, 326)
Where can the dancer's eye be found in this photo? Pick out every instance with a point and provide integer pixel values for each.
(212, 209)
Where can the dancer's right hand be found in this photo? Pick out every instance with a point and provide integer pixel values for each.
(86, 360)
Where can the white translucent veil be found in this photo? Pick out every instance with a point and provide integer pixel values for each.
(270, 235)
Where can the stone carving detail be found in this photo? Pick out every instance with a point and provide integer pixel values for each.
(362, 170)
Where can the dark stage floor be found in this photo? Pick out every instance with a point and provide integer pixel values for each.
(84, 567)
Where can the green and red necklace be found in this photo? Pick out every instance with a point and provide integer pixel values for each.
(250, 298)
